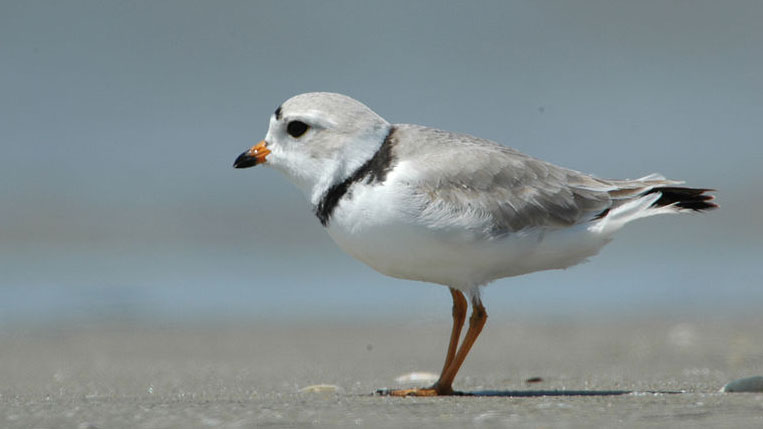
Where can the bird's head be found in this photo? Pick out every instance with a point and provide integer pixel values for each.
(318, 139)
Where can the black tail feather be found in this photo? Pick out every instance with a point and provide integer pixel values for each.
(683, 198)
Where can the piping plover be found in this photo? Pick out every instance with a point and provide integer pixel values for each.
(424, 204)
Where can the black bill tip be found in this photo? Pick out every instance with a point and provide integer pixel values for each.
(245, 161)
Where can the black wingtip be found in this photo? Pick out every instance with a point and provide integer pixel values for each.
(684, 198)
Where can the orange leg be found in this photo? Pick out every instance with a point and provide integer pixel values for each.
(454, 359)
(444, 385)
(459, 316)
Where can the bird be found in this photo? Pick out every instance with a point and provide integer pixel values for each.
(424, 204)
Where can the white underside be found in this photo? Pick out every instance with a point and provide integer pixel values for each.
(383, 227)
(412, 253)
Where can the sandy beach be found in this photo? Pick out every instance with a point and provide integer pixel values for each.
(259, 374)
(145, 283)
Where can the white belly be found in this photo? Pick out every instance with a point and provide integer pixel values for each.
(393, 240)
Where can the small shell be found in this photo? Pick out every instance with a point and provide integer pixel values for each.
(417, 377)
(321, 388)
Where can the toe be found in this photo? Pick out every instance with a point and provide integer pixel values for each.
(409, 392)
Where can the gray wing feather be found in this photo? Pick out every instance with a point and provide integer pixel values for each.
(515, 191)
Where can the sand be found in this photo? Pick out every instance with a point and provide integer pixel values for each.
(107, 375)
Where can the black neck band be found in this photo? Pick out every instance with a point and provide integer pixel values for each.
(374, 170)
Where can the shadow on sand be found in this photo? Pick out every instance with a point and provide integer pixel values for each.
(539, 393)
(535, 393)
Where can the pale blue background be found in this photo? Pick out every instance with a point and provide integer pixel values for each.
(119, 122)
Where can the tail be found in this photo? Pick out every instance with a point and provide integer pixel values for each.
(653, 199)
(683, 198)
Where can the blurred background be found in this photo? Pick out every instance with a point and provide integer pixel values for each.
(119, 122)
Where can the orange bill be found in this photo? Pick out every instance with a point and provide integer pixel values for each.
(255, 155)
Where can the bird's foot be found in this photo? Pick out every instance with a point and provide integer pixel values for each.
(407, 392)
(428, 391)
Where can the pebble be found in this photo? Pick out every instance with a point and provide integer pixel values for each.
(747, 384)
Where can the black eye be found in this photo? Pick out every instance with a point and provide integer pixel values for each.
(297, 128)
